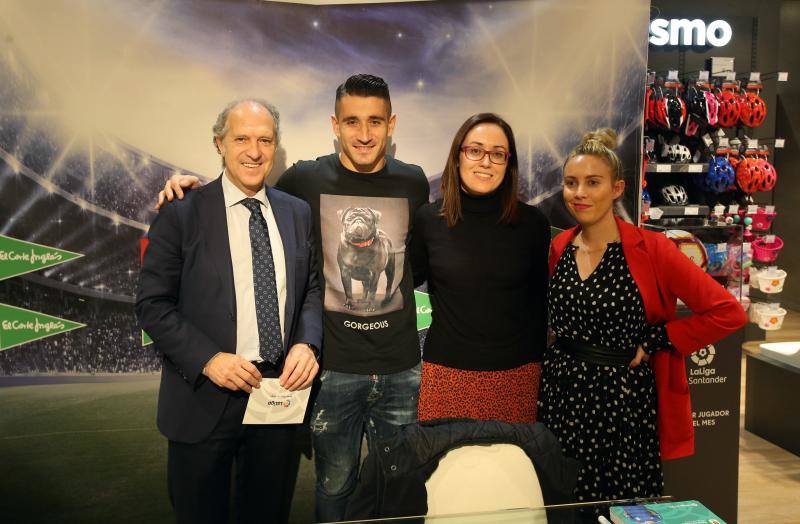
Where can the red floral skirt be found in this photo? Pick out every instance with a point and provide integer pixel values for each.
(509, 395)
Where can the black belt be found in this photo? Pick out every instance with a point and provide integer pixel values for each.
(595, 354)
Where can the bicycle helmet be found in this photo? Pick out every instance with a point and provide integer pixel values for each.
(674, 195)
(720, 175)
(753, 110)
(691, 127)
(749, 175)
(678, 154)
(712, 104)
(729, 111)
(670, 111)
(649, 107)
(770, 175)
(697, 105)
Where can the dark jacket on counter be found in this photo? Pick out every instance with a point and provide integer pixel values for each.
(392, 482)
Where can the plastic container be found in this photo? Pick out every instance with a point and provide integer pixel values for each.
(754, 313)
(754, 280)
(771, 281)
(764, 252)
(771, 319)
(762, 220)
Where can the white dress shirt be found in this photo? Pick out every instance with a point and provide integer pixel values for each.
(238, 218)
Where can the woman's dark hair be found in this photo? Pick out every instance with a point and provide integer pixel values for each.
(451, 180)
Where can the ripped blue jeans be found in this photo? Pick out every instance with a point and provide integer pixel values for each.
(346, 407)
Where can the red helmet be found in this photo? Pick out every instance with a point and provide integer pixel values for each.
(670, 111)
(649, 106)
(753, 110)
(728, 108)
(770, 175)
(734, 158)
(749, 175)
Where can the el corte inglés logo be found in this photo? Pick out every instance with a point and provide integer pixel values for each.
(18, 257)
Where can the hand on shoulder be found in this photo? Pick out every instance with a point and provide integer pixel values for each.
(174, 188)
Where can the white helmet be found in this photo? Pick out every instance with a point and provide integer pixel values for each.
(674, 195)
(678, 154)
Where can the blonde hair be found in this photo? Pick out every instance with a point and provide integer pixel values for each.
(600, 143)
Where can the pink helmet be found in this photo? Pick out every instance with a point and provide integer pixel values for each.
(712, 106)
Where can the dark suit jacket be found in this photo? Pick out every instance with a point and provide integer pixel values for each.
(186, 300)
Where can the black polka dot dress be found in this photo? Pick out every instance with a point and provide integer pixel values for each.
(604, 416)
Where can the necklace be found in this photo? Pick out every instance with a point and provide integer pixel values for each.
(588, 252)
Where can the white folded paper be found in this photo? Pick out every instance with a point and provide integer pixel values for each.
(272, 404)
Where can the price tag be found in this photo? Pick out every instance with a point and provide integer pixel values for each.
(707, 140)
(769, 209)
(656, 213)
(719, 209)
(703, 76)
(695, 168)
(752, 143)
(724, 142)
(755, 76)
(780, 143)
(663, 168)
(769, 239)
(733, 209)
(752, 209)
(691, 211)
(747, 247)
(730, 76)
(672, 75)
(722, 247)
(783, 76)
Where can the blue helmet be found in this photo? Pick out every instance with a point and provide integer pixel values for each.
(721, 175)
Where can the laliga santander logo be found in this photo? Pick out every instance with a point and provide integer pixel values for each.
(704, 356)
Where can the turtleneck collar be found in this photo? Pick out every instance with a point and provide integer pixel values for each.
(490, 203)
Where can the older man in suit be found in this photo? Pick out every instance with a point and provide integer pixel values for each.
(229, 293)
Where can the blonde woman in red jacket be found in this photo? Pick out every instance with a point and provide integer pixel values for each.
(614, 388)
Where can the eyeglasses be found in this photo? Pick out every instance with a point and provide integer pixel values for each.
(476, 154)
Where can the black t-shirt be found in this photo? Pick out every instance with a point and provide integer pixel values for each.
(488, 284)
(362, 223)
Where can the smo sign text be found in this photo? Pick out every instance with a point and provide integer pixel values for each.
(685, 32)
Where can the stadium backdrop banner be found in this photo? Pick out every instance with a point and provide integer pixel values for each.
(100, 102)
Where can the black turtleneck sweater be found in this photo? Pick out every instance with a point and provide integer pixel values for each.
(487, 281)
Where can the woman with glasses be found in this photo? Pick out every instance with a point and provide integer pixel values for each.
(484, 256)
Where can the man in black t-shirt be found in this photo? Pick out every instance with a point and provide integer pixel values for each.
(363, 204)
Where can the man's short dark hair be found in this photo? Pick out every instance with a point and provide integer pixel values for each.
(365, 85)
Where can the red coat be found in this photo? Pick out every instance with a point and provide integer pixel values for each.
(663, 274)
